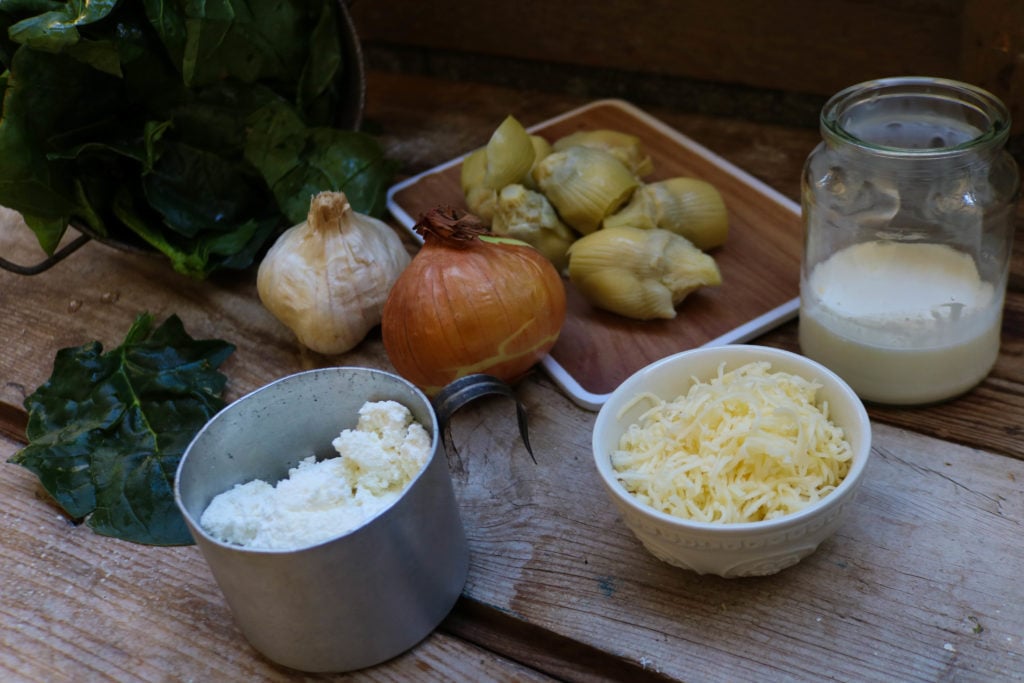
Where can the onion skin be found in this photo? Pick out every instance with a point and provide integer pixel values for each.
(469, 304)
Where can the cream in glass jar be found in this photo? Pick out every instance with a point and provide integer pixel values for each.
(908, 212)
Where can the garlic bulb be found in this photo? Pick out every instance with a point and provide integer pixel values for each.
(327, 278)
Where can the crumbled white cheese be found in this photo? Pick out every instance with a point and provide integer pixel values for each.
(747, 446)
(320, 500)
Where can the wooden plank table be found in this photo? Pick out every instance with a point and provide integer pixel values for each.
(922, 583)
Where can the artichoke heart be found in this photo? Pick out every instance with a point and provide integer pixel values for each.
(528, 216)
(482, 202)
(509, 154)
(625, 147)
(690, 207)
(637, 273)
(584, 185)
(480, 199)
(473, 170)
(541, 148)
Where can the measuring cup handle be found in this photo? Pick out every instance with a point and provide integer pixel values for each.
(471, 387)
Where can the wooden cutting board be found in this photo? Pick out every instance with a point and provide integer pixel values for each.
(760, 262)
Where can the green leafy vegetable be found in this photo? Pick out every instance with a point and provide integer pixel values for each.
(196, 129)
(106, 431)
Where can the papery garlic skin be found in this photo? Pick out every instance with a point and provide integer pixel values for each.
(637, 273)
(327, 278)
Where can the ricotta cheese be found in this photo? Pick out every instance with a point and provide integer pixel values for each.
(747, 446)
(321, 500)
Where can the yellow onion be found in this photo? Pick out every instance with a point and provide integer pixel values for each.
(470, 302)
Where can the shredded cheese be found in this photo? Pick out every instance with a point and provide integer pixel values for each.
(747, 446)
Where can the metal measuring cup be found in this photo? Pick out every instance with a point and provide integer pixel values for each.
(362, 597)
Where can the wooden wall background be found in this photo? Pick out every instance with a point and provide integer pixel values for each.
(768, 60)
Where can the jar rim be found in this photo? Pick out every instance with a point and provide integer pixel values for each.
(976, 108)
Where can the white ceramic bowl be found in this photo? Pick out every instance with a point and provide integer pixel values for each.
(736, 549)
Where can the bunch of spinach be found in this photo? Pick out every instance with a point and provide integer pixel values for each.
(106, 431)
(197, 129)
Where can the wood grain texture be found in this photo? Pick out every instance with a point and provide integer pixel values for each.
(760, 262)
(79, 607)
(704, 57)
(912, 588)
(766, 45)
(920, 584)
(992, 51)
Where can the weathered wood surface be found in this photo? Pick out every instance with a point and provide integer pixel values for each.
(920, 584)
(719, 42)
(78, 607)
(704, 56)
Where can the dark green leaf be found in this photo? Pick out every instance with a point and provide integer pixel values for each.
(168, 20)
(323, 65)
(248, 40)
(57, 29)
(133, 119)
(49, 231)
(29, 7)
(195, 191)
(29, 182)
(352, 162)
(102, 55)
(298, 162)
(235, 248)
(106, 431)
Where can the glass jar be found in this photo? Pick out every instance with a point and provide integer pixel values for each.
(908, 210)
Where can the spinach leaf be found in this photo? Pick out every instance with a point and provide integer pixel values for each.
(39, 188)
(324, 65)
(197, 257)
(107, 430)
(57, 30)
(130, 119)
(296, 161)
